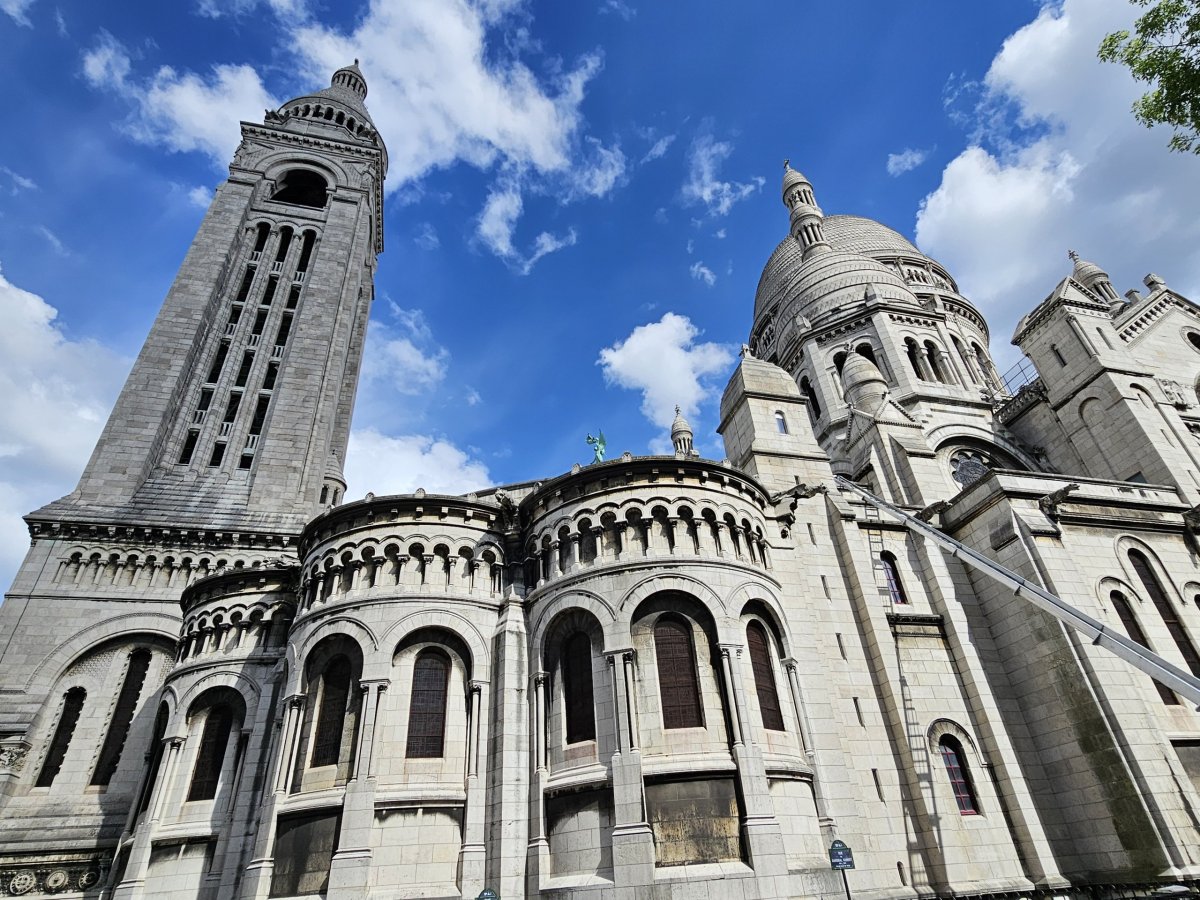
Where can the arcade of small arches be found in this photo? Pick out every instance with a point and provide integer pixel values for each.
(622, 534)
(328, 113)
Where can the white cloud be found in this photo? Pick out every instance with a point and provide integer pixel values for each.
(720, 234)
(618, 8)
(383, 464)
(19, 181)
(905, 161)
(659, 149)
(440, 96)
(664, 362)
(107, 63)
(216, 9)
(427, 237)
(599, 172)
(403, 357)
(701, 272)
(58, 392)
(498, 221)
(53, 240)
(473, 397)
(182, 111)
(703, 185)
(60, 22)
(1068, 167)
(16, 10)
(200, 196)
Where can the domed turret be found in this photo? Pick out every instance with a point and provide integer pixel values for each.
(806, 217)
(681, 435)
(1092, 277)
(351, 78)
(863, 383)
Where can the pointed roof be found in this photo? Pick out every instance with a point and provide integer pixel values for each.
(680, 425)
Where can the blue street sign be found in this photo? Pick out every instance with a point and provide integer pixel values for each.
(488, 894)
(840, 856)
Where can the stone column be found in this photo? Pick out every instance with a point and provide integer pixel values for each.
(619, 532)
(257, 883)
(632, 839)
(134, 879)
(350, 870)
(806, 744)
(576, 559)
(473, 854)
(763, 834)
(538, 853)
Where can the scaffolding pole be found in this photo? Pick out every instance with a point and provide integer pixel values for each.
(1183, 683)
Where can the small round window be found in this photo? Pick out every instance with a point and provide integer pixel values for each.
(1194, 339)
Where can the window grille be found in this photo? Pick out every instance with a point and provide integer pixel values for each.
(210, 757)
(427, 708)
(122, 717)
(764, 677)
(61, 742)
(960, 777)
(331, 718)
(678, 684)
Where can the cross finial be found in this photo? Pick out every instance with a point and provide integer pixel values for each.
(356, 60)
(787, 164)
(676, 409)
(1073, 256)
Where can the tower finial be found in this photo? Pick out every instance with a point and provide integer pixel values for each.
(787, 164)
(1073, 256)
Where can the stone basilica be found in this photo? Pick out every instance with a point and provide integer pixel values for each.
(650, 677)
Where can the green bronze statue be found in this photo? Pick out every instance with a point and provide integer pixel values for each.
(598, 444)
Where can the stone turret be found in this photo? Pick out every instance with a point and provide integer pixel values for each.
(681, 435)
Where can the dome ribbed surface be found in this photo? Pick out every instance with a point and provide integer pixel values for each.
(866, 236)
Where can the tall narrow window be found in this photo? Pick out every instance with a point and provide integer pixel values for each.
(210, 757)
(189, 447)
(813, 403)
(72, 707)
(764, 676)
(285, 328)
(914, 352)
(678, 684)
(244, 288)
(931, 355)
(260, 415)
(269, 293)
(427, 708)
(260, 320)
(285, 241)
(293, 299)
(780, 422)
(306, 249)
(577, 688)
(218, 455)
(891, 575)
(1134, 630)
(244, 369)
(231, 408)
(260, 239)
(218, 363)
(269, 379)
(331, 716)
(122, 717)
(960, 776)
(1170, 618)
(1057, 355)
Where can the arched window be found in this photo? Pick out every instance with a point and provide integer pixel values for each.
(764, 677)
(931, 354)
(331, 715)
(578, 701)
(678, 683)
(72, 707)
(955, 762)
(122, 717)
(839, 360)
(302, 187)
(1194, 339)
(780, 422)
(1134, 630)
(427, 708)
(1170, 618)
(813, 403)
(891, 574)
(913, 352)
(866, 351)
(211, 756)
(966, 359)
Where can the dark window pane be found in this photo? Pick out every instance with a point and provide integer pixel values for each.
(72, 706)
(211, 755)
(764, 677)
(1134, 630)
(1170, 618)
(427, 710)
(892, 575)
(331, 718)
(577, 688)
(122, 718)
(960, 777)
(679, 687)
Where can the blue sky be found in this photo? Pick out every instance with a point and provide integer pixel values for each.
(581, 197)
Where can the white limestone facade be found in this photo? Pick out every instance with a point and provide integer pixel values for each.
(649, 677)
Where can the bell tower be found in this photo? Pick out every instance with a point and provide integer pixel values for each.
(237, 411)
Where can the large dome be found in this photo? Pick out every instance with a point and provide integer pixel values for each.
(850, 236)
(866, 236)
